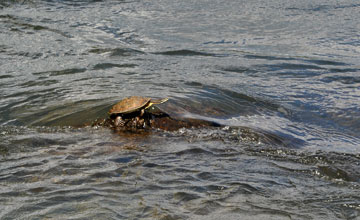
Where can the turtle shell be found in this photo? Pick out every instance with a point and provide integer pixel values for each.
(130, 104)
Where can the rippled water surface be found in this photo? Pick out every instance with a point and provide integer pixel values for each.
(282, 77)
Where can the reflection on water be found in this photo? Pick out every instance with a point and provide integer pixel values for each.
(280, 77)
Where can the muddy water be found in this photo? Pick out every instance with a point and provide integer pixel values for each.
(281, 77)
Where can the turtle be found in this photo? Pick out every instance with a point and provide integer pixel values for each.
(130, 105)
(133, 104)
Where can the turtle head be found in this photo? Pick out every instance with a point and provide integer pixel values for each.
(156, 102)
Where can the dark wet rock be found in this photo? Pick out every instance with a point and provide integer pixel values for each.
(152, 119)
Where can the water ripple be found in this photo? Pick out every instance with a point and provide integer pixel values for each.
(277, 82)
(184, 53)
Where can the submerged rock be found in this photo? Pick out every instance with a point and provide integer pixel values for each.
(153, 118)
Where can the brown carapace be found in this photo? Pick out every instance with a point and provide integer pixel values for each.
(133, 104)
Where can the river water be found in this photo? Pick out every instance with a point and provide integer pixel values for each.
(283, 77)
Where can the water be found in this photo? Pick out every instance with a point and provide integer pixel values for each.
(281, 76)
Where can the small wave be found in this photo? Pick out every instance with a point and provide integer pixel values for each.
(103, 66)
(263, 57)
(21, 24)
(61, 72)
(39, 83)
(193, 151)
(114, 52)
(184, 53)
(319, 63)
(6, 76)
(342, 79)
(10, 3)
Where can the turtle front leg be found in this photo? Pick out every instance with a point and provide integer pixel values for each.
(142, 112)
(119, 122)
